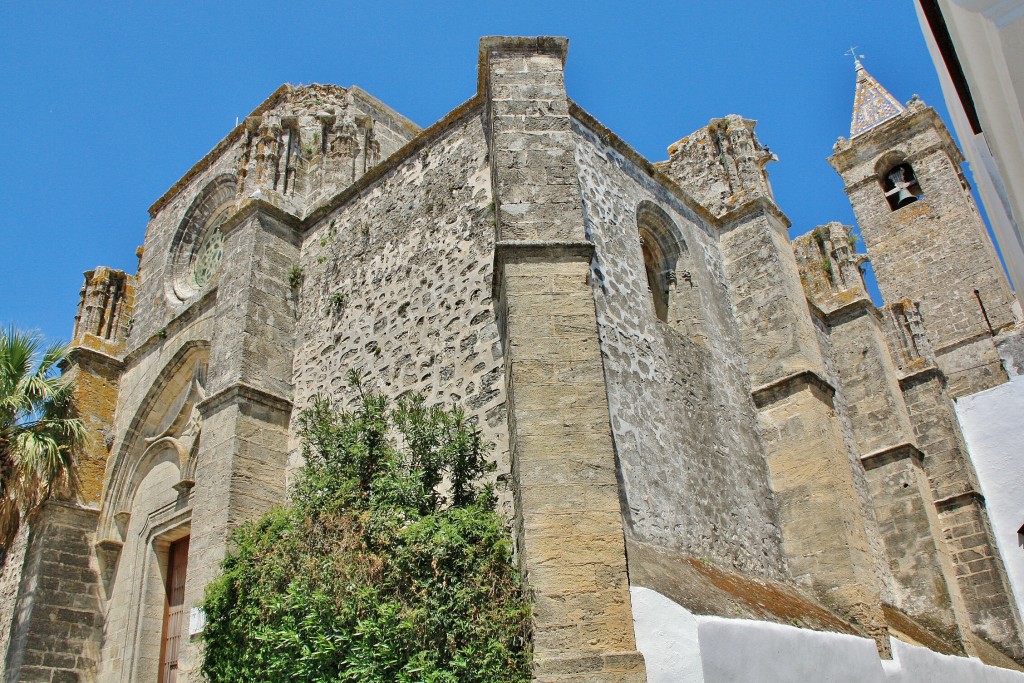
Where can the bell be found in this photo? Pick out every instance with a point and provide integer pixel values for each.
(904, 197)
(900, 188)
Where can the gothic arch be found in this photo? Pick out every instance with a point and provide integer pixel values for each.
(166, 422)
(667, 265)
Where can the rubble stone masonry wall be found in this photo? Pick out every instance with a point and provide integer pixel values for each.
(658, 366)
(396, 284)
(691, 462)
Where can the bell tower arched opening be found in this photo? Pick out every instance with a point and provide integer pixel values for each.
(900, 185)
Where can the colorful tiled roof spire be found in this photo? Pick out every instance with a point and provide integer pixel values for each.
(872, 104)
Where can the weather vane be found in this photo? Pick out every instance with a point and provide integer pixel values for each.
(853, 53)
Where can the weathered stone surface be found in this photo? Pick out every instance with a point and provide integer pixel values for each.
(52, 628)
(933, 251)
(660, 368)
(872, 405)
(827, 548)
(582, 619)
(970, 552)
(692, 464)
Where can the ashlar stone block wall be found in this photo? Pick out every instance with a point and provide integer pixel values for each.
(54, 631)
(934, 251)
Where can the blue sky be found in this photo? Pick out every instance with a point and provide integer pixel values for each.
(105, 105)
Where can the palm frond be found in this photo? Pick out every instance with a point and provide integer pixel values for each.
(38, 433)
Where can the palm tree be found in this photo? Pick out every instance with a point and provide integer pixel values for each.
(38, 432)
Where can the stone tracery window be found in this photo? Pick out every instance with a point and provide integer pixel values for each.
(198, 244)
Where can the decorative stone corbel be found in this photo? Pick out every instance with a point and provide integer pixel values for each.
(108, 550)
(121, 520)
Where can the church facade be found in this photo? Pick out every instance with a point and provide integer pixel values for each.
(682, 399)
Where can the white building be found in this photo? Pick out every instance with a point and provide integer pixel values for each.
(978, 50)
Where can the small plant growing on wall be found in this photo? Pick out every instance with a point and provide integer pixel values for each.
(336, 302)
(826, 266)
(376, 572)
(295, 277)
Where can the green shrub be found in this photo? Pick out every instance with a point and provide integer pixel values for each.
(390, 565)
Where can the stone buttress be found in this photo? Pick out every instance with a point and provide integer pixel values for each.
(964, 529)
(664, 373)
(562, 453)
(51, 624)
(823, 508)
(865, 372)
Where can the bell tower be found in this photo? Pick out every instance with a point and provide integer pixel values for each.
(923, 232)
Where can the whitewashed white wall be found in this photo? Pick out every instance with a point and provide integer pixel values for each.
(993, 425)
(681, 647)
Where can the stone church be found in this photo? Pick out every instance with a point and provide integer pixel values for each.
(711, 445)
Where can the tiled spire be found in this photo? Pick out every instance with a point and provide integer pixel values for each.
(872, 104)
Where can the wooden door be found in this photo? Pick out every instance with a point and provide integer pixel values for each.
(174, 610)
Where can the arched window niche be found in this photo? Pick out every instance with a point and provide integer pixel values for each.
(667, 267)
(899, 181)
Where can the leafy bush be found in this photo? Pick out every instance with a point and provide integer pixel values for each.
(389, 565)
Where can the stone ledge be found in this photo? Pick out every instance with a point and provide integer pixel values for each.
(79, 355)
(555, 45)
(855, 309)
(241, 391)
(252, 206)
(773, 392)
(920, 376)
(552, 251)
(960, 500)
(546, 250)
(892, 454)
(733, 217)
